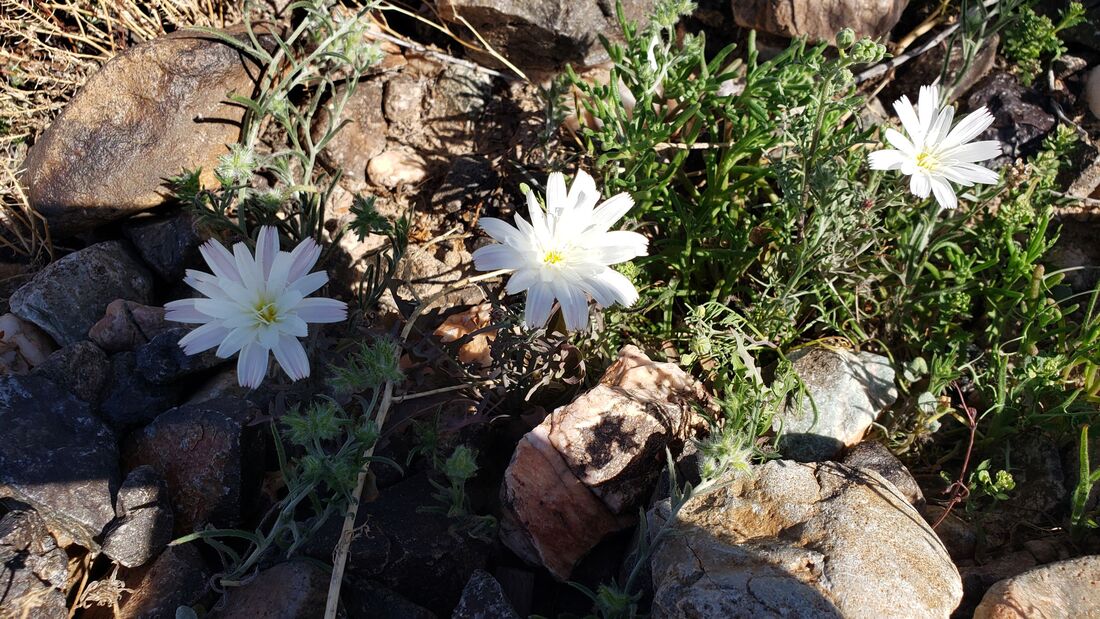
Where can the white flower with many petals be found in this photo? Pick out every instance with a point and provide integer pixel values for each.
(935, 154)
(564, 252)
(255, 305)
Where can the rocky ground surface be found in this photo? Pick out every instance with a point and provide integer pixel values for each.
(114, 442)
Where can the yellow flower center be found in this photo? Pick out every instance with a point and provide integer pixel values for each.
(267, 312)
(553, 258)
(927, 161)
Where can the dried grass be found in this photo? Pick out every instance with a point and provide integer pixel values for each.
(47, 51)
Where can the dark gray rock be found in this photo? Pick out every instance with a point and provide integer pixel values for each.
(373, 600)
(33, 570)
(210, 455)
(162, 361)
(177, 577)
(483, 598)
(57, 456)
(291, 590)
(416, 554)
(70, 295)
(82, 367)
(545, 35)
(1021, 120)
(129, 400)
(144, 524)
(469, 181)
(876, 457)
(845, 392)
(167, 244)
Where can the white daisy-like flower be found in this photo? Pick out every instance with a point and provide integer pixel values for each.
(934, 154)
(564, 253)
(255, 305)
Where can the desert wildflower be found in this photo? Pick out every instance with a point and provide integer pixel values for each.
(255, 305)
(935, 154)
(564, 253)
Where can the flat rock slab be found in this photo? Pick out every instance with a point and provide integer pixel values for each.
(819, 20)
(70, 295)
(802, 540)
(1064, 589)
(151, 112)
(57, 457)
(292, 590)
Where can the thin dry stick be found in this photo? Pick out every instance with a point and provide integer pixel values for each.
(347, 532)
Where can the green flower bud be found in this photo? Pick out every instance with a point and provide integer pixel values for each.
(845, 38)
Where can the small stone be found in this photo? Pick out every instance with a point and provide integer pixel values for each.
(162, 361)
(82, 367)
(402, 98)
(819, 20)
(33, 570)
(210, 456)
(1064, 589)
(129, 400)
(470, 181)
(477, 349)
(483, 598)
(415, 553)
(177, 577)
(22, 345)
(801, 540)
(1021, 120)
(977, 579)
(582, 472)
(126, 325)
(167, 244)
(221, 385)
(144, 524)
(291, 590)
(70, 295)
(362, 138)
(152, 111)
(876, 457)
(393, 168)
(57, 457)
(543, 36)
(845, 392)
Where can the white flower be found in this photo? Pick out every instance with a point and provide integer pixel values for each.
(564, 252)
(935, 154)
(255, 305)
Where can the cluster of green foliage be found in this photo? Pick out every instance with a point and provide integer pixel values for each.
(1031, 41)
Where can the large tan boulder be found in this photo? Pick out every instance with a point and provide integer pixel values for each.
(1064, 589)
(152, 111)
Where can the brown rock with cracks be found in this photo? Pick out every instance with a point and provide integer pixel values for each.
(820, 20)
(210, 456)
(1064, 589)
(584, 470)
(151, 112)
(801, 540)
(127, 325)
(178, 577)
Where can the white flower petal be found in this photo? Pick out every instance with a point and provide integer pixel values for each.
(302, 258)
(945, 195)
(908, 116)
(970, 127)
(919, 185)
(184, 310)
(267, 247)
(251, 274)
(887, 159)
(236, 340)
(973, 173)
(540, 302)
(609, 287)
(538, 217)
(941, 125)
(203, 338)
(251, 366)
(494, 257)
(574, 305)
(297, 327)
(309, 284)
(927, 105)
(583, 195)
(611, 211)
(557, 198)
(220, 260)
(320, 309)
(900, 142)
(268, 336)
(291, 357)
(619, 246)
(521, 280)
(217, 308)
(502, 231)
(974, 152)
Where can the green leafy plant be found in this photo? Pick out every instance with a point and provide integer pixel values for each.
(1031, 40)
(451, 498)
(1087, 480)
